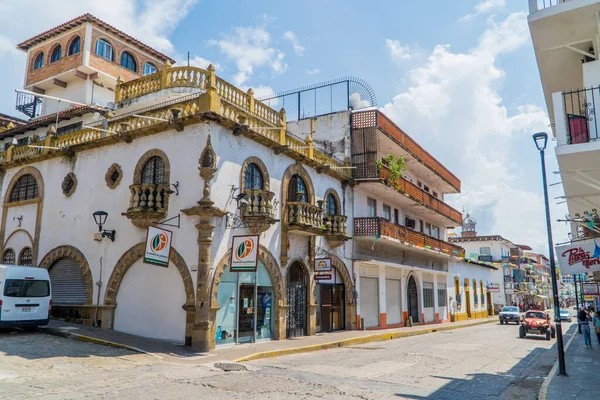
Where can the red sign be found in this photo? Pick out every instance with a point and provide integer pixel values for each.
(579, 257)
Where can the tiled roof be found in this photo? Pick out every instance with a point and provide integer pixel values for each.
(46, 120)
(25, 45)
(9, 118)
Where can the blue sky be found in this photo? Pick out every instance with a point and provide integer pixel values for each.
(458, 76)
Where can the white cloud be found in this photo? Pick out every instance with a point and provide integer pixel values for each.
(201, 62)
(452, 108)
(484, 7)
(397, 51)
(7, 46)
(250, 48)
(313, 71)
(293, 39)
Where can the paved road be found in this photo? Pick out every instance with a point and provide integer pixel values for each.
(482, 362)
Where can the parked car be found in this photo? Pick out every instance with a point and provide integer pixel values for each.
(538, 323)
(25, 297)
(565, 315)
(509, 314)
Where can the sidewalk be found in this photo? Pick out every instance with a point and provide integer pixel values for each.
(180, 354)
(583, 369)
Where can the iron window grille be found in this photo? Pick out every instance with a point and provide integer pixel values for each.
(154, 171)
(331, 205)
(253, 178)
(9, 257)
(26, 188)
(26, 257)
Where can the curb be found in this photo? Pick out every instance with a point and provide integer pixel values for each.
(89, 339)
(358, 340)
(543, 393)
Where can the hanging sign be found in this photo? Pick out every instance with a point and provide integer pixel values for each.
(158, 246)
(322, 264)
(323, 276)
(579, 257)
(244, 253)
(494, 287)
(589, 289)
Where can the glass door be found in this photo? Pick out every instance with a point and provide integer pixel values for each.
(246, 310)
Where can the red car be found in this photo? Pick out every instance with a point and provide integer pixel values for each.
(537, 322)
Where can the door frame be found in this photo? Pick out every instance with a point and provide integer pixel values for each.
(307, 285)
(408, 302)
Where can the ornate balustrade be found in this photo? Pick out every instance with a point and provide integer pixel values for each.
(382, 227)
(420, 196)
(305, 217)
(148, 204)
(259, 213)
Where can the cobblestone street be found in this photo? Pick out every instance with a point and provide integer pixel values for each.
(486, 361)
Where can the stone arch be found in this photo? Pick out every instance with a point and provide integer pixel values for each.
(17, 231)
(297, 169)
(276, 278)
(263, 170)
(335, 195)
(71, 252)
(419, 294)
(131, 256)
(311, 285)
(29, 170)
(137, 173)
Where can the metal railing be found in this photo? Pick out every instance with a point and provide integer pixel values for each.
(377, 227)
(580, 115)
(541, 4)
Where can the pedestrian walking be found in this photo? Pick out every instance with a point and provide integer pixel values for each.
(583, 319)
(596, 324)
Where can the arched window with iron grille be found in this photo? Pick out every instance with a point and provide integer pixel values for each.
(297, 189)
(26, 257)
(331, 205)
(8, 257)
(154, 171)
(253, 178)
(26, 188)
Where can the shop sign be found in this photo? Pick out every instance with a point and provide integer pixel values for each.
(509, 291)
(323, 277)
(494, 287)
(589, 289)
(158, 246)
(322, 264)
(580, 257)
(244, 254)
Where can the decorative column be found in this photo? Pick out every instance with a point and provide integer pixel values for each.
(203, 334)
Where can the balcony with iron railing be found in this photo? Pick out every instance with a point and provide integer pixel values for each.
(379, 227)
(369, 151)
(537, 5)
(420, 196)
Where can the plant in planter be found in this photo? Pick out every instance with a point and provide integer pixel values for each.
(395, 164)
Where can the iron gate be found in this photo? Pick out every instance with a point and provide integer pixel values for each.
(296, 299)
(413, 299)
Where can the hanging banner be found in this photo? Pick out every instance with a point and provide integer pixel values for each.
(244, 253)
(579, 257)
(158, 246)
(322, 264)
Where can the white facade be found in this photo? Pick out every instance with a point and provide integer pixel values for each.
(474, 279)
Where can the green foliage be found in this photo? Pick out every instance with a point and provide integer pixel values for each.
(396, 165)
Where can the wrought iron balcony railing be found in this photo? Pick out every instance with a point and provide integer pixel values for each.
(374, 226)
(28, 104)
(580, 114)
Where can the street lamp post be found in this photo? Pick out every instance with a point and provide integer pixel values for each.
(541, 140)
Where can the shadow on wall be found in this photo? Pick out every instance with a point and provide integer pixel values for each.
(523, 381)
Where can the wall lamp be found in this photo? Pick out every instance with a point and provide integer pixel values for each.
(100, 218)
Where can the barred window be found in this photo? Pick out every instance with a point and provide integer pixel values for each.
(154, 171)
(253, 179)
(26, 188)
(428, 294)
(331, 205)
(9, 257)
(442, 295)
(26, 257)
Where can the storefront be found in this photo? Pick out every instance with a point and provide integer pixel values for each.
(246, 302)
(330, 300)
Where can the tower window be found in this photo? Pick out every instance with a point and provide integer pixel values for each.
(39, 61)
(128, 61)
(104, 49)
(56, 54)
(149, 69)
(75, 46)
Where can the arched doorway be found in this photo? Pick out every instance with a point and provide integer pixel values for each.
(413, 299)
(296, 300)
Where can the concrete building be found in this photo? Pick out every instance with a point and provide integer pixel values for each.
(152, 144)
(566, 40)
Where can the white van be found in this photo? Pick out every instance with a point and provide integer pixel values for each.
(25, 297)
